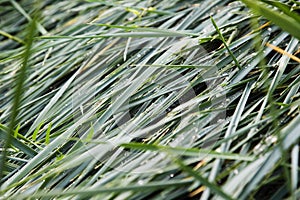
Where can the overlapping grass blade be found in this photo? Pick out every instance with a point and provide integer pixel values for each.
(116, 89)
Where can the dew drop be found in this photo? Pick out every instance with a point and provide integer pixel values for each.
(130, 18)
(141, 182)
(194, 137)
(81, 109)
(220, 120)
(271, 140)
(225, 74)
(258, 149)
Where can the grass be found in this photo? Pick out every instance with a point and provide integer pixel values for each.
(149, 99)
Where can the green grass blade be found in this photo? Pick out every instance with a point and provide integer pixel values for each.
(34, 135)
(17, 143)
(214, 188)
(284, 21)
(18, 93)
(225, 43)
(47, 137)
(187, 151)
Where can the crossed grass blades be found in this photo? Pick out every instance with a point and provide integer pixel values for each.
(149, 99)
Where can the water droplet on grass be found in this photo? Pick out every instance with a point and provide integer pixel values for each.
(220, 120)
(141, 182)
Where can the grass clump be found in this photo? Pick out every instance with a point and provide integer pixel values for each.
(149, 100)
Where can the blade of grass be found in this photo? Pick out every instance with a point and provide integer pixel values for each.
(283, 52)
(282, 20)
(230, 130)
(213, 187)
(153, 30)
(47, 137)
(11, 37)
(285, 8)
(18, 93)
(16, 143)
(225, 43)
(91, 192)
(16, 131)
(186, 151)
(41, 29)
(34, 135)
(294, 168)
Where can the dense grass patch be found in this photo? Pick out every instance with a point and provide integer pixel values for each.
(149, 99)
